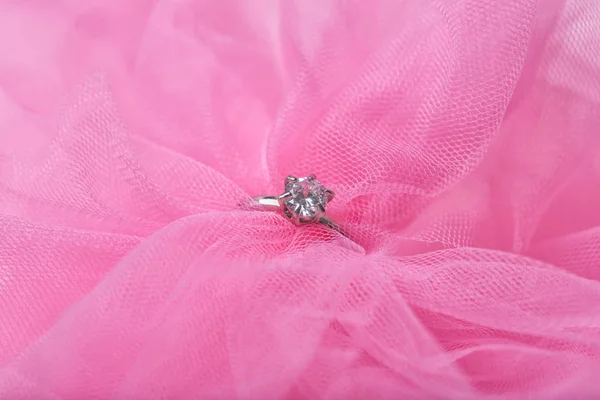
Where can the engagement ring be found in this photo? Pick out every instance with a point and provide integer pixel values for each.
(303, 202)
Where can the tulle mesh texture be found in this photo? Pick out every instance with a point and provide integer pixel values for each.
(461, 138)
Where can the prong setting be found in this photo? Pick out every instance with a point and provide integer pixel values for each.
(304, 199)
(330, 194)
(321, 209)
(285, 196)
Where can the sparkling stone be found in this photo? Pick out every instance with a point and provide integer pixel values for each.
(308, 199)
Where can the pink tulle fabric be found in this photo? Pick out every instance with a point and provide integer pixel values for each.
(461, 138)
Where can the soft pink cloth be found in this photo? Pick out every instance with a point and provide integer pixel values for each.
(462, 140)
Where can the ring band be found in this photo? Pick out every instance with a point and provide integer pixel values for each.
(303, 202)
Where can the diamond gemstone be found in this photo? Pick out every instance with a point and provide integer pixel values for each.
(308, 199)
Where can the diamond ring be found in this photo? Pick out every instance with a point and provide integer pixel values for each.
(303, 202)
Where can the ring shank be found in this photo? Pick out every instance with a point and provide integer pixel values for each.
(270, 202)
(328, 222)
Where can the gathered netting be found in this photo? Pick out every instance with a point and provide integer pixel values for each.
(461, 139)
